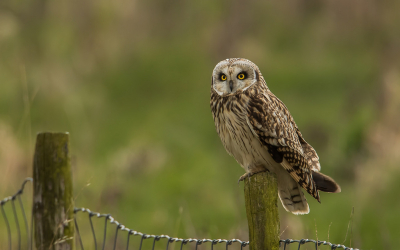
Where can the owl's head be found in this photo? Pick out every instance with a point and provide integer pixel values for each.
(233, 76)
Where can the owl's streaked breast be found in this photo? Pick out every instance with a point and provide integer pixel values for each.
(230, 118)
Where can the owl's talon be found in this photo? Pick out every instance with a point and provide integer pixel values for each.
(243, 177)
(250, 174)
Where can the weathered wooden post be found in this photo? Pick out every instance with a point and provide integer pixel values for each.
(53, 204)
(261, 196)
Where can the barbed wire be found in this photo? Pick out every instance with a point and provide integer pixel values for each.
(120, 227)
(12, 198)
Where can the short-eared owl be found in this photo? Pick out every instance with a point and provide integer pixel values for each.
(257, 129)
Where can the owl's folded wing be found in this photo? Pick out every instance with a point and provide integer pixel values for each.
(271, 122)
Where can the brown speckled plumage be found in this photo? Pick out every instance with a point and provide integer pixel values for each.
(252, 123)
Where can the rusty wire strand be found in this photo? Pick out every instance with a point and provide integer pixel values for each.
(16, 222)
(25, 221)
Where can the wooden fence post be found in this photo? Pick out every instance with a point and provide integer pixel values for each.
(53, 204)
(261, 197)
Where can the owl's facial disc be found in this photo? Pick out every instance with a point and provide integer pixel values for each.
(233, 78)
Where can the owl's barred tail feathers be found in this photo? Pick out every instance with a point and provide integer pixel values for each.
(294, 201)
(291, 195)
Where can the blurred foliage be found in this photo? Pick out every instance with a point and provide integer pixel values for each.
(130, 81)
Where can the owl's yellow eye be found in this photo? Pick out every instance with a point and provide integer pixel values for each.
(222, 77)
(241, 76)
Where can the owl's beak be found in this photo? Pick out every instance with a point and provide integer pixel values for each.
(231, 85)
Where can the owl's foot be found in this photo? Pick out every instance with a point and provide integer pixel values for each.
(243, 177)
(249, 175)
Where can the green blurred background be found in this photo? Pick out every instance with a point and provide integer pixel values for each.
(130, 81)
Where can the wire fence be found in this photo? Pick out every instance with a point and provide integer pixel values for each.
(158, 241)
(17, 219)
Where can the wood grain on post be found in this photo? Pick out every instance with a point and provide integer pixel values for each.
(53, 204)
(261, 197)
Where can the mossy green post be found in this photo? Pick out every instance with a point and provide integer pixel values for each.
(261, 196)
(53, 204)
